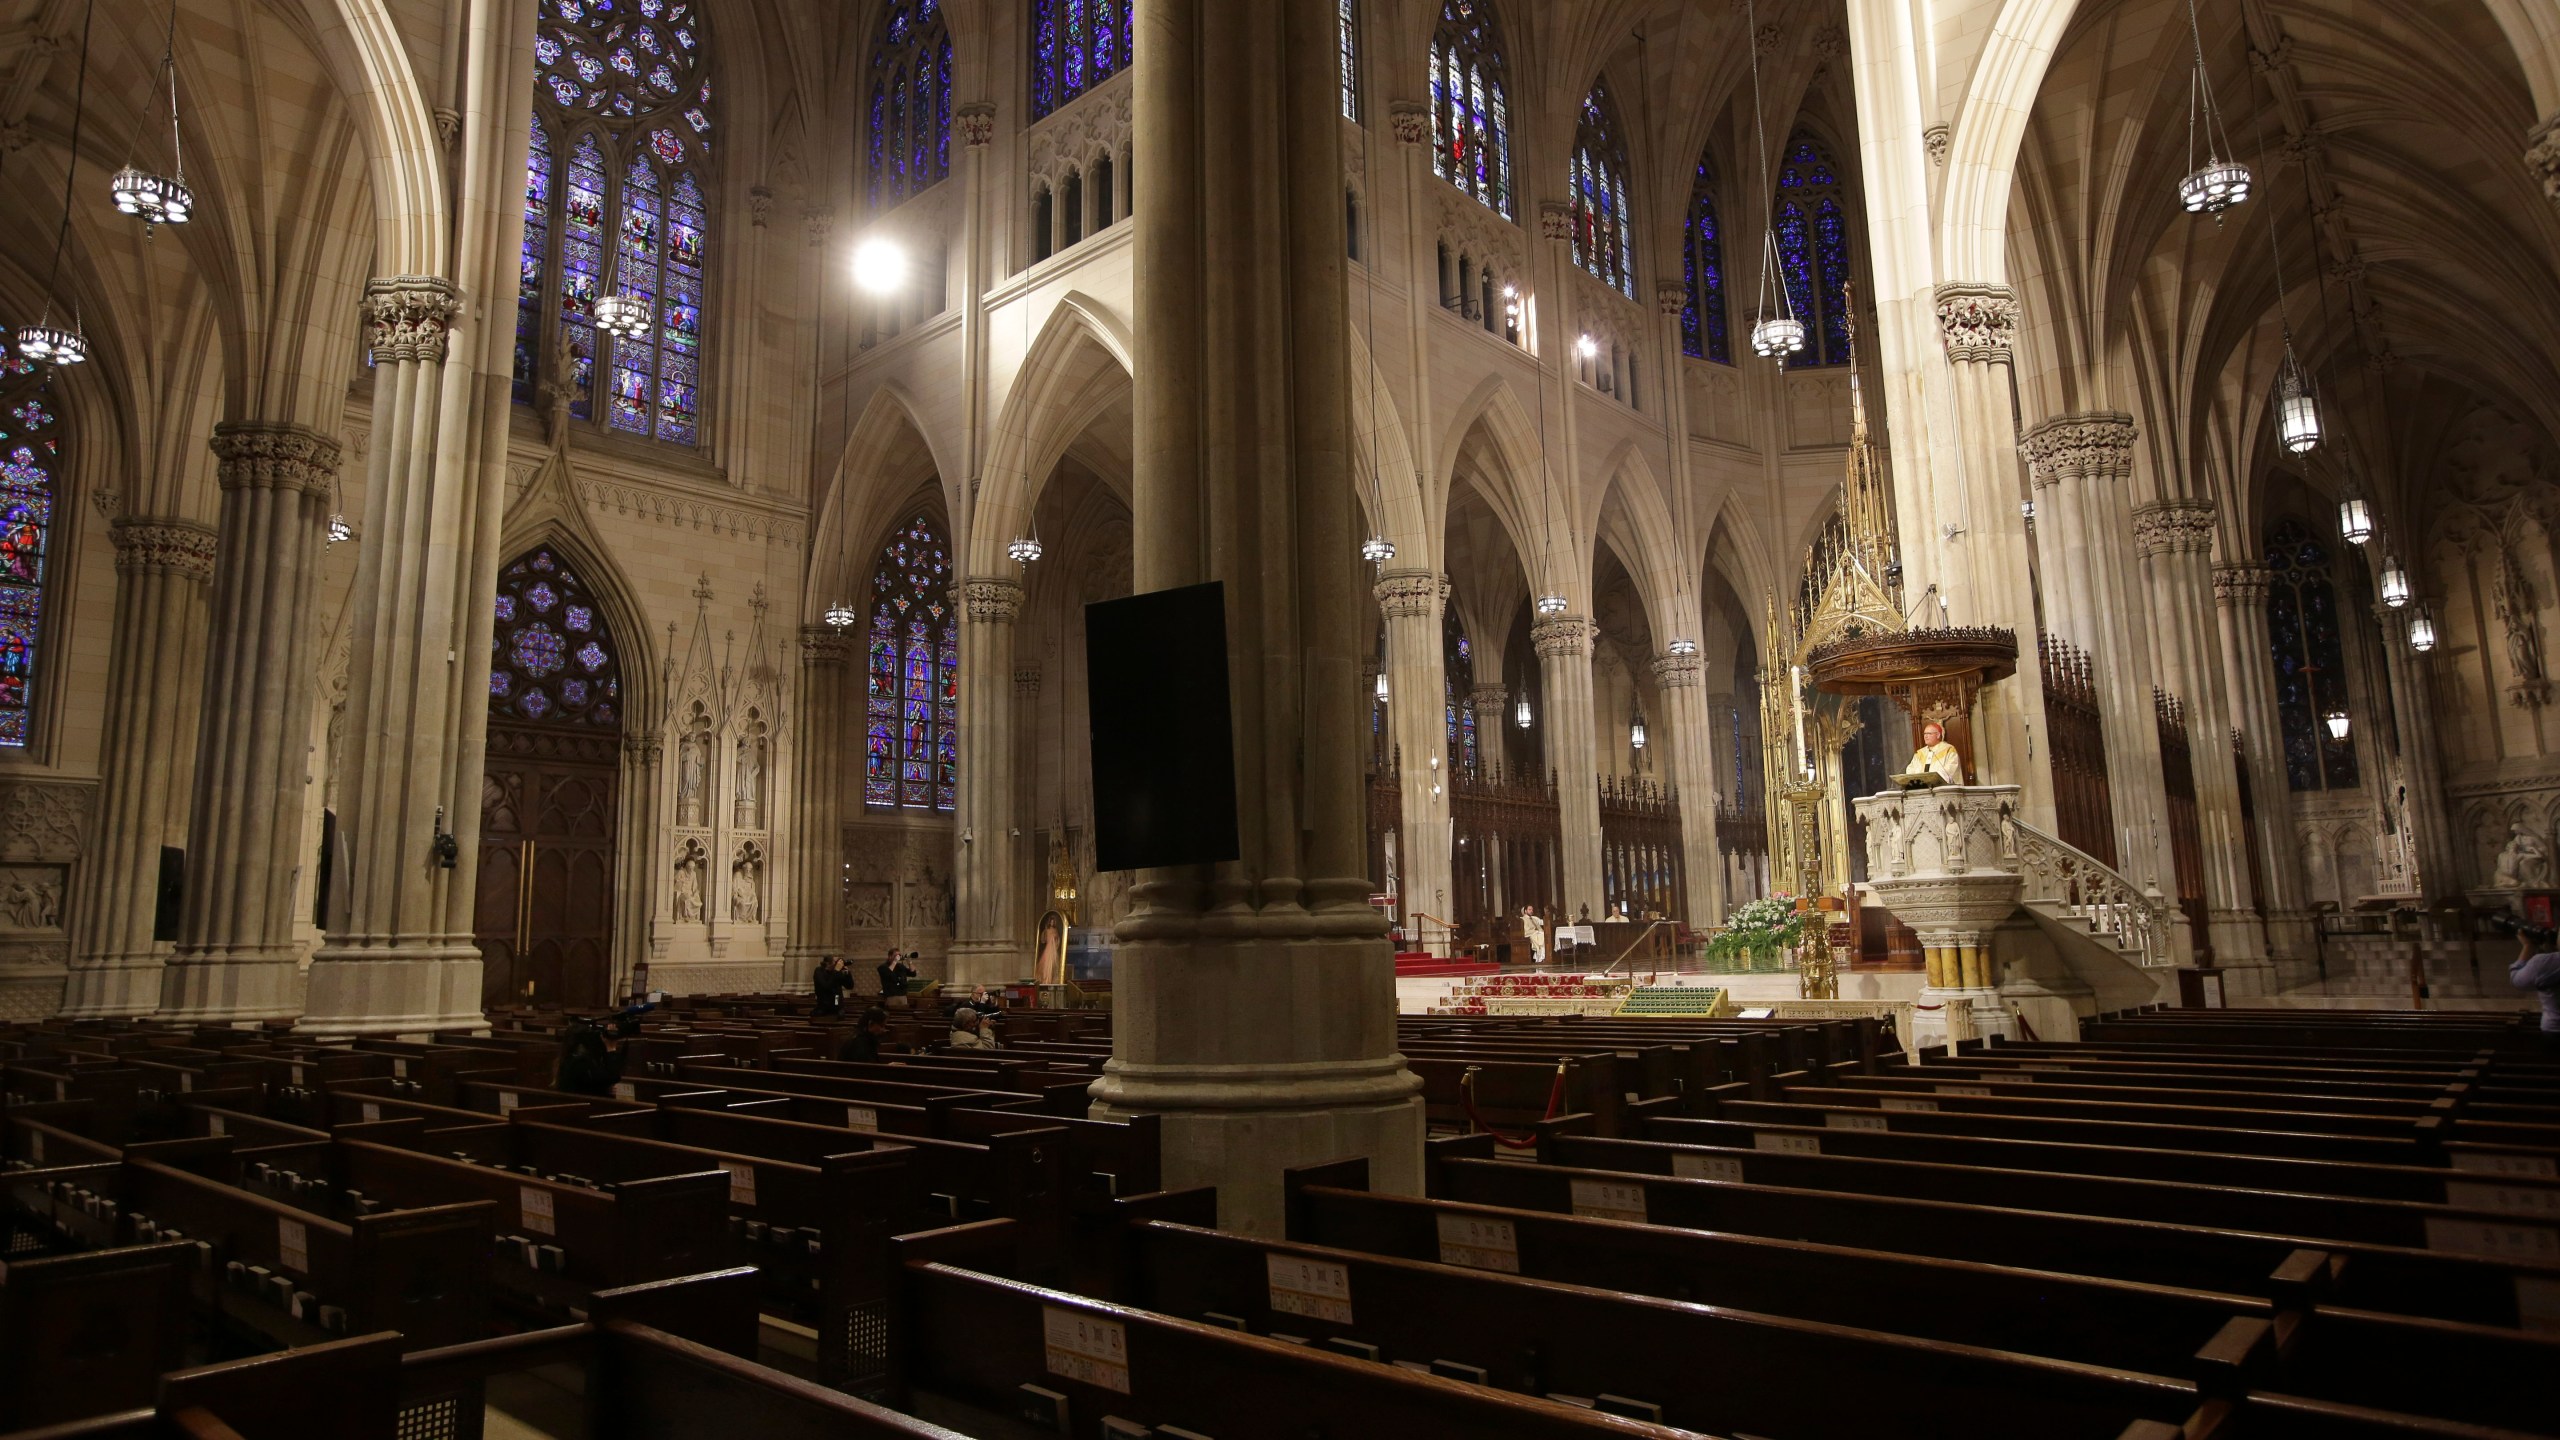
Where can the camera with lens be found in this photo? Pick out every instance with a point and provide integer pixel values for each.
(2506, 923)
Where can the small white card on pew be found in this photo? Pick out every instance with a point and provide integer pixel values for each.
(1609, 1200)
(1787, 1144)
(35, 1146)
(400, 1068)
(2511, 1199)
(507, 1102)
(1841, 1120)
(1727, 1168)
(186, 1080)
(1479, 1244)
(2494, 1238)
(861, 1117)
(372, 1112)
(1981, 1090)
(1317, 1289)
(1085, 1348)
(215, 1125)
(2493, 1163)
(1905, 1102)
(293, 1246)
(534, 1206)
(742, 1182)
(625, 1090)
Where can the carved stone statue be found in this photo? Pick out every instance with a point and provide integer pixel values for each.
(22, 904)
(689, 885)
(2525, 863)
(2513, 594)
(560, 391)
(750, 787)
(746, 887)
(693, 760)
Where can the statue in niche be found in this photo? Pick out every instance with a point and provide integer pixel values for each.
(561, 390)
(689, 885)
(2525, 863)
(746, 887)
(693, 762)
(24, 904)
(2513, 595)
(750, 787)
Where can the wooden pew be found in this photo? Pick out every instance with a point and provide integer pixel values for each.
(85, 1334)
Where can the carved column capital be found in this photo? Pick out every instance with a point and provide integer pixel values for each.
(1673, 671)
(1560, 636)
(1555, 220)
(2096, 445)
(1937, 139)
(976, 122)
(1410, 120)
(1026, 679)
(2173, 527)
(2542, 156)
(1977, 322)
(2242, 583)
(1488, 696)
(147, 546)
(257, 455)
(825, 645)
(1670, 298)
(991, 600)
(409, 316)
(1408, 594)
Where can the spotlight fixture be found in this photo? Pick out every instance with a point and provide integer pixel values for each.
(1586, 347)
(625, 317)
(879, 265)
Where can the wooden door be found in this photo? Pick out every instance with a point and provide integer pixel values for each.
(543, 913)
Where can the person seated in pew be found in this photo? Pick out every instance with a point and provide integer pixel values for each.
(970, 1031)
(871, 1042)
(2537, 968)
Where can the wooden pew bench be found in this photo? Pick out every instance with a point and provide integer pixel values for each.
(89, 1333)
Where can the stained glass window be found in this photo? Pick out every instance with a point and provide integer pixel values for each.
(1603, 225)
(912, 699)
(1457, 666)
(1702, 317)
(1813, 249)
(615, 204)
(1347, 21)
(552, 660)
(1470, 105)
(1075, 45)
(2304, 632)
(30, 449)
(910, 114)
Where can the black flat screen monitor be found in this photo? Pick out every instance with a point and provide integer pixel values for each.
(1164, 765)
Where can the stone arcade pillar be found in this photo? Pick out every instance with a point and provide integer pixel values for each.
(237, 959)
(1563, 643)
(2423, 813)
(2176, 540)
(816, 856)
(1693, 772)
(417, 707)
(983, 945)
(1255, 998)
(2240, 595)
(155, 675)
(1418, 723)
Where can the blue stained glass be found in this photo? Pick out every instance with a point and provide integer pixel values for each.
(1470, 110)
(27, 471)
(2309, 654)
(879, 139)
(580, 618)
(542, 597)
(1795, 264)
(534, 703)
(1831, 245)
(913, 687)
(920, 137)
(1044, 59)
(506, 607)
(1813, 250)
(1702, 316)
(1106, 39)
(563, 90)
(529, 270)
(942, 112)
(499, 683)
(539, 650)
(573, 692)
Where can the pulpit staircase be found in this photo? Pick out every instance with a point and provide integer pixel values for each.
(2113, 935)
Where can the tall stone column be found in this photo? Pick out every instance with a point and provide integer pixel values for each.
(155, 675)
(1418, 722)
(1563, 643)
(1490, 702)
(1255, 999)
(817, 804)
(1693, 773)
(418, 702)
(2423, 813)
(1982, 568)
(2240, 597)
(237, 959)
(984, 947)
(2176, 541)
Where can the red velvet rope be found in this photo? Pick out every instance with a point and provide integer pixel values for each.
(1467, 1095)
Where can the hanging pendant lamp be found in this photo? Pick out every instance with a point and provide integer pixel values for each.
(159, 199)
(44, 342)
(1777, 332)
(2217, 184)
